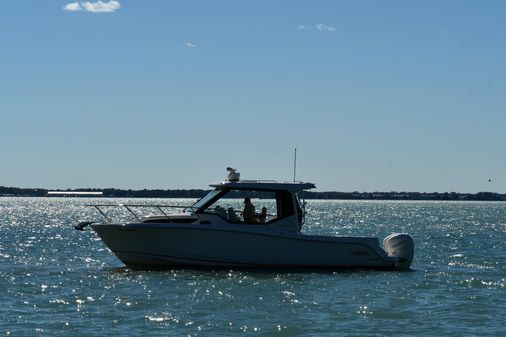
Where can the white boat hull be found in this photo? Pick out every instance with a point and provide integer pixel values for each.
(168, 245)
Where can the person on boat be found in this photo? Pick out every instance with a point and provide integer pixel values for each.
(248, 214)
(262, 215)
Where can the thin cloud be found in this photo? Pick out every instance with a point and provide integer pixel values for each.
(324, 28)
(72, 7)
(321, 27)
(190, 45)
(93, 7)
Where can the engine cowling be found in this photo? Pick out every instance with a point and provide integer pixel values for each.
(400, 245)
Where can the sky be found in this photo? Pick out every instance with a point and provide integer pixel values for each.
(375, 95)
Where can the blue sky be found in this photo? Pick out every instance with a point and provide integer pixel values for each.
(376, 96)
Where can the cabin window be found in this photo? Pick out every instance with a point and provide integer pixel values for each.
(285, 203)
(266, 206)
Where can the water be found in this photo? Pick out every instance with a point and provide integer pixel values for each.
(56, 281)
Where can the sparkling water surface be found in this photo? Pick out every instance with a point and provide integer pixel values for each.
(57, 281)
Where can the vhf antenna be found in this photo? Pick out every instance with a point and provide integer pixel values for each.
(294, 163)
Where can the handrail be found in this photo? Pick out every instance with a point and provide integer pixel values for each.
(101, 212)
(138, 205)
(128, 207)
(161, 210)
(135, 215)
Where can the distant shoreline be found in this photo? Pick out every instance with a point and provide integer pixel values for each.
(198, 193)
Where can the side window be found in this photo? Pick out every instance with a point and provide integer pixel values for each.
(284, 204)
(249, 207)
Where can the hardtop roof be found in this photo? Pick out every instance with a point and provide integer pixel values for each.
(267, 185)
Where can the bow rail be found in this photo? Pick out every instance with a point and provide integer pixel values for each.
(130, 208)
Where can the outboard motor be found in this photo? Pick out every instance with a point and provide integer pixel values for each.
(400, 245)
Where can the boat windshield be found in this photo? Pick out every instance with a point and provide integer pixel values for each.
(205, 199)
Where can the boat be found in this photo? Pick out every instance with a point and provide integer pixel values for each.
(215, 232)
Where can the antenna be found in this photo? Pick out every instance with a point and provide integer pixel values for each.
(294, 163)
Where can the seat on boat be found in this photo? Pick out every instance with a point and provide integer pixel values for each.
(221, 212)
(232, 217)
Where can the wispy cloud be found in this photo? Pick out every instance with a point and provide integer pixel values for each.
(93, 7)
(321, 27)
(190, 45)
(72, 7)
(302, 27)
(324, 28)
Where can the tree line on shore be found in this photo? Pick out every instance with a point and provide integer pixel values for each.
(198, 193)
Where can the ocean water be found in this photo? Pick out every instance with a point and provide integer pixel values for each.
(57, 281)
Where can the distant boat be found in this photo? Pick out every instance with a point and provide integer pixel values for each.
(211, 233)
(74, 194)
